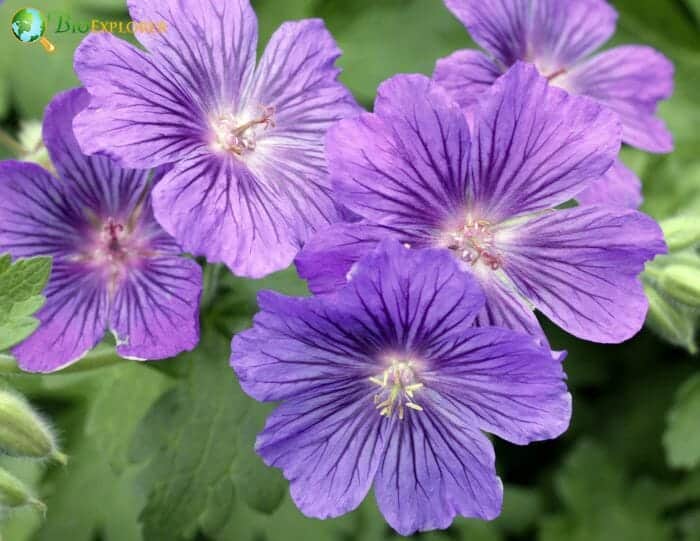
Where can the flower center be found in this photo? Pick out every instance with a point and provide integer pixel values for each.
(473, 242)
(238, 135)
(398, 383)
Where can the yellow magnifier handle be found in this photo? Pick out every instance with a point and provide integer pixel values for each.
(48, 46)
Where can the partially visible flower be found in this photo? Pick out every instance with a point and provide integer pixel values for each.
(385, 383)
(412, 171)
(249, 182)
(558, 37)
(113, 265)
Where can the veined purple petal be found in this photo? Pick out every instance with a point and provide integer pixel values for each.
(36, 216)
(94, 181)
(562, 32)
(465, 75)
(72, 321)
(499, 26)
(436, 466)
(217, 208)
(506, 380)
(155, 312)
(208, 46)
(327, 259)
(535, 146)
(329, 445)
(406, 164)
(618, 187)
(580, 267)
(631, 80)
(552, 33)
(506, 307)
(138, 114)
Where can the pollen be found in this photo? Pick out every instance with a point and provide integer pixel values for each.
(398, 385)
(238, 134)
(473, 242)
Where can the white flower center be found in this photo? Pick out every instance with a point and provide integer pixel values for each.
(398, 384)
(238, 134)
(473, 243)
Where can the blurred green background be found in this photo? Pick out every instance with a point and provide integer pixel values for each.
(164, 451)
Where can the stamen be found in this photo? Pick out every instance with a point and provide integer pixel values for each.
(398, 387)
(238, 138)
(474, 242)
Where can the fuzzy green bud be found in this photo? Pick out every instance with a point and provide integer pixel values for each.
(682, 282)
(681, 232)
(14, 494)
(22, 432)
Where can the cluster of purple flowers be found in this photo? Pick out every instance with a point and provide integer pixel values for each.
(429, 230)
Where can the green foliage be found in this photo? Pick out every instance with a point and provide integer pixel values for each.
(682, 437)
(21, 284)
(197, 442)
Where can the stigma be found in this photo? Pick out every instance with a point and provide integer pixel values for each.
(473, 242)
(238, 134)
(398, 385)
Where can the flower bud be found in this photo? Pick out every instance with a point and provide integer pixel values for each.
(14, 494)
(22, 432)
(669, 320)
(681, 281)
(681, 232)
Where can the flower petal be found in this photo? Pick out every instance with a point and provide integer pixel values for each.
(326, 261)
(215, 207)
(618, 187)
(499, 26)
(437, 465)
(631, 80)
(72, 321)
(36, 217)
(536, 146)
(94, 181)
(465, 75)
(138, 114)
(505, 307)
(208, 46)
(406, 164)
(155, 312)
(563, 32)
(580, 267)
(551, 32)
(328, 444)
(506, 380)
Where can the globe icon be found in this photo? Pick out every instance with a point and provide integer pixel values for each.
(28, 26)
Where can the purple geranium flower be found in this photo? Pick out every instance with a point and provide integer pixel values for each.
(558, 36)
(412, 171)
(385, 383)
(249, 184)
(113, 265)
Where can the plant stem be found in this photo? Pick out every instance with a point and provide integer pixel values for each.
(11, 143)
(100, 357)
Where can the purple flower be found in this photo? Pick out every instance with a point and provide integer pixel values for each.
(249, 184)
(385, 383)
(412, 171)
(558, 37)
(113, 265)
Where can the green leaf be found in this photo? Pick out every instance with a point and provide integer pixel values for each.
(682, 438)
(198, 444)
(125, 394)
(21, 284)
(601, 504)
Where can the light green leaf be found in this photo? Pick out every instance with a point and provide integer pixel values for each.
(21, 284)
(682, 437)
(199, 441)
